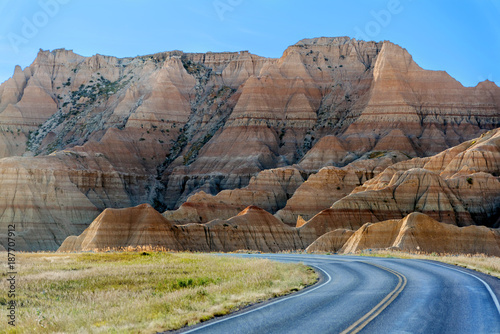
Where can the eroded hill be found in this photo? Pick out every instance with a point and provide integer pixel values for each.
(82, 134)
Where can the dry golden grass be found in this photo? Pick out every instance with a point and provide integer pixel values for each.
(139, 292)
(486, 264)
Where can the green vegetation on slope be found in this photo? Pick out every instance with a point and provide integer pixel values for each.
(139, 292)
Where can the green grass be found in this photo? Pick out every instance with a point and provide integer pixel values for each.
(139, 292)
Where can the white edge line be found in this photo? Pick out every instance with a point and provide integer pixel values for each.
(492, 294)
(266, 305)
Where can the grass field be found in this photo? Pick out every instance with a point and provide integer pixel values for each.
(486, 264)
(138, 292)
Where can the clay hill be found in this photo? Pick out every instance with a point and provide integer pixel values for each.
(415, 232)
(336, 133)
(256, 229)
(434, 204)
(251, 229)
(459, 186)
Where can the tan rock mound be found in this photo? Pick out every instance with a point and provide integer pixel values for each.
(202, 208)
(470, 169)
(41, 199)
(253, 229)
(477, 155)
(480, 195)
(396, 140)
(116, 228)
(414, 190)
(318, 193)
(51, 197)
(482, 155)
(384, 178)
(256, 229)
(269, 190)
(328, 151)
(419, 232)
(332, 241)
(331, 184)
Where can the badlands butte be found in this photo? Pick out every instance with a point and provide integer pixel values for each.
(339, 145)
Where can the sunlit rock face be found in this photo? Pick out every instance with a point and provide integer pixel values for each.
(431, 204)
(418, 232)
(331, 184)
(251, 229)
(159, 129)
(269, 190)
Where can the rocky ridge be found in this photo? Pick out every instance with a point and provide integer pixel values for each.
(447, 187)
(415, 232)
(251, 229)
(161, 128)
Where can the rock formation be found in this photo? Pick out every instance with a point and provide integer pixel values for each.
(160, 128)
(328, 151)
(269, 190)
(331, 184)
(414, 190)
(48, 198)
(470, 170)
(416, 232)
(332, 241)
(256, 229)
(252, 229)
(459, 186)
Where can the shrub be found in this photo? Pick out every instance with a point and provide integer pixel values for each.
(376, 154)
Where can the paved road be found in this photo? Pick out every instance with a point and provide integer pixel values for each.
(372, 295)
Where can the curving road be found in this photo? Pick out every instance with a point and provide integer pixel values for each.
(372, 295)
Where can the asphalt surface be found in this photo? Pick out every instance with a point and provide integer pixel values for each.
(372, 295)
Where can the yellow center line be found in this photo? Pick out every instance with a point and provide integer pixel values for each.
(374, 312)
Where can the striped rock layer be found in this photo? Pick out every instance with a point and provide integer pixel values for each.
(157, 129)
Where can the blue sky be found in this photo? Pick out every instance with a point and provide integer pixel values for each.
(461, 37)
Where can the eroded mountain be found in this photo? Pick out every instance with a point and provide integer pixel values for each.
(82, 134)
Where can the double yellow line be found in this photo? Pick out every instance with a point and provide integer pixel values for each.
(374, 312)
